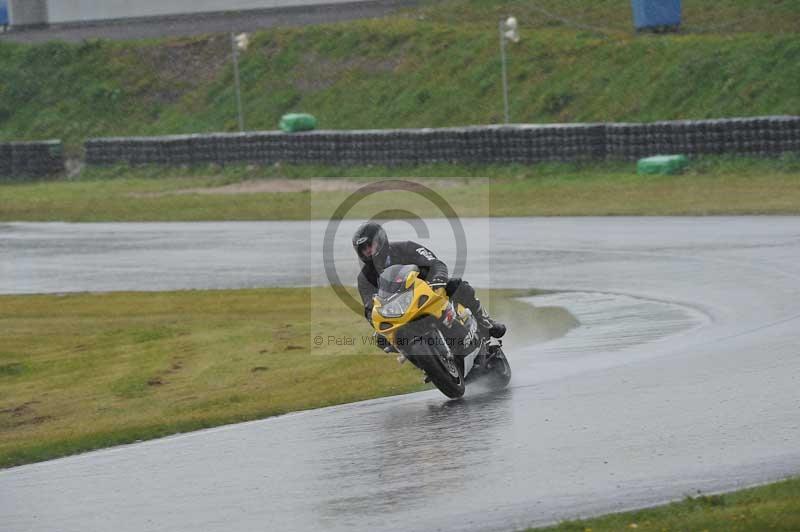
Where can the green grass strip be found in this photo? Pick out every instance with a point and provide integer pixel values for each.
(774, 507)
(711, 186)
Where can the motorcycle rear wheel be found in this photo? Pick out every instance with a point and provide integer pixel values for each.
(499, 370)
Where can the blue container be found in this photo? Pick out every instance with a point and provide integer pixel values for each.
(654, 13)
(3, 13)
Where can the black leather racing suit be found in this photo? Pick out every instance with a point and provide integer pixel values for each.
(432, 270)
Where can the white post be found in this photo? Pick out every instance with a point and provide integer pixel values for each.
(505, 70)
(235, 50)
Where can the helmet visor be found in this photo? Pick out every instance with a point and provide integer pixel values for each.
(368, 249)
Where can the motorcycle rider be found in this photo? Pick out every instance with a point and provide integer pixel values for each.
(376, 254)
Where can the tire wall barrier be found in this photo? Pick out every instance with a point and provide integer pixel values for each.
(31, 159)
(385, 147)
(762, 136)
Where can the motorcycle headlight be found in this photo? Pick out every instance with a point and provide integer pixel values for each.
(396, 306)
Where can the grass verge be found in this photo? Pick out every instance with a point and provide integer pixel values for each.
(771, 507)
(712, 186)
(87, 371)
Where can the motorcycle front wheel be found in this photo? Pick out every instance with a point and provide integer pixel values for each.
(442, 370)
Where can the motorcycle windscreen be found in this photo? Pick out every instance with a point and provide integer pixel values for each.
(393, 279)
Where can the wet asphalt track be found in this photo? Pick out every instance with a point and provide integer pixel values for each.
(682, 376)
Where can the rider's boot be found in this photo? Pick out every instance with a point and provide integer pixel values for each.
(486, 324)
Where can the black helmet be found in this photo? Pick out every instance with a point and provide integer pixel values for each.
(365, 236)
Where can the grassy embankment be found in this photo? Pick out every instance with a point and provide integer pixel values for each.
(429, 67)
(775, 507)
(712, 186)
(433, 66)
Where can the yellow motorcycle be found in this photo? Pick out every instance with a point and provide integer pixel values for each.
(440, 338)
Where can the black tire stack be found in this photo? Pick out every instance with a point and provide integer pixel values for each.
(760, 136)
(522, 144)
(31, 159)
